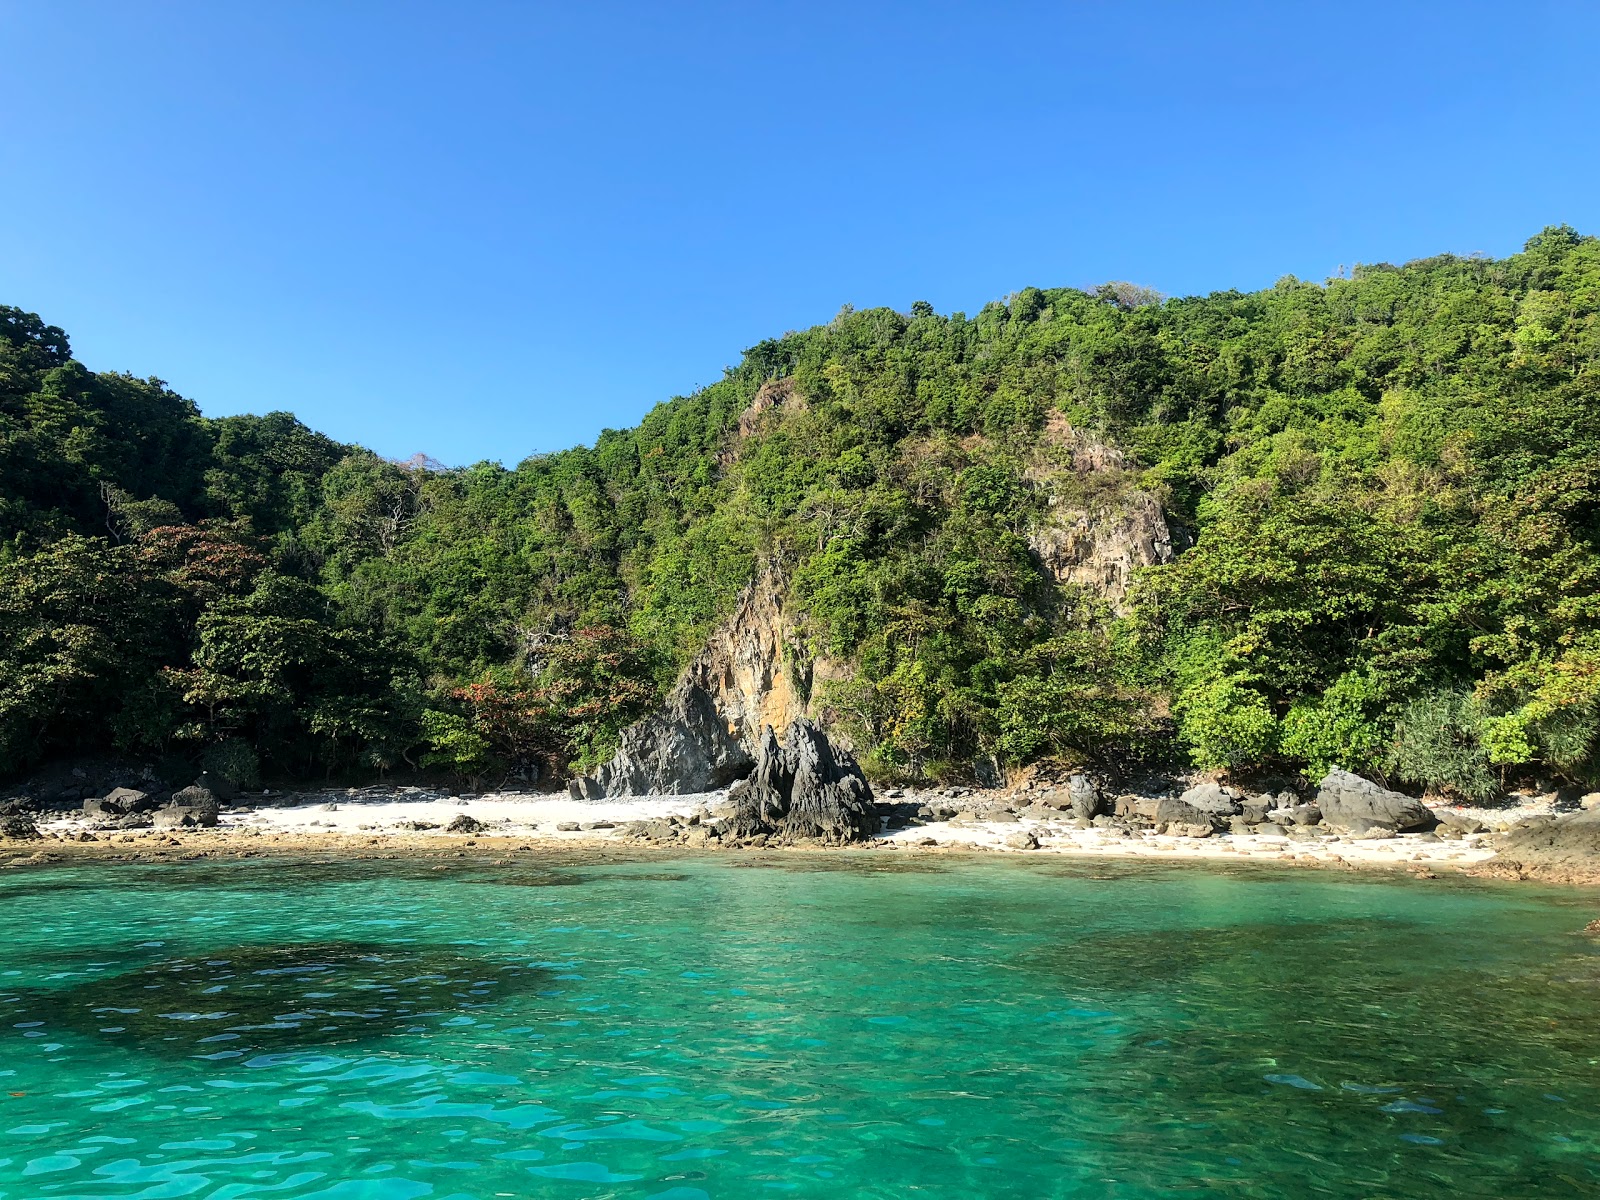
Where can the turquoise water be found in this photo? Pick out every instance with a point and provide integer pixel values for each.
(801, 1025)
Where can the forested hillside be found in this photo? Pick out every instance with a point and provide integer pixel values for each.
(1383, 490)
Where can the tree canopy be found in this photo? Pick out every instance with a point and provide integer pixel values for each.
(1386, 487)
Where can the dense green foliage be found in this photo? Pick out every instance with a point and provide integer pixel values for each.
(1388, 486)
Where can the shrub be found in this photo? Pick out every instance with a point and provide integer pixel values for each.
(1438, 744)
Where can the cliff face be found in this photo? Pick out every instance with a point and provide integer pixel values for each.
(752, 666)
(1098, 527)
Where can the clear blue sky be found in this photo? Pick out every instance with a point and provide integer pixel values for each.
(479, 230)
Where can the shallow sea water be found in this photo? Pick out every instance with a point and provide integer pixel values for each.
(801, 1025)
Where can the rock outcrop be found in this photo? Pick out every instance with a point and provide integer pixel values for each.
(1564, 847)
(685, 748)
(1346, 800)
(803, 788)
(1098, 528)
(750, 665)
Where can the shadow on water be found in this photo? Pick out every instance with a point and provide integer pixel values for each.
(274, 999)
(276, 875)
(849, 862)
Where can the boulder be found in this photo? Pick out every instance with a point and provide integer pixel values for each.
(194, 796)
(1175, 810)
(1304, 814)
(1255, 811)
(178, 816)
(18, 828)
(1027, 840)
(1457, 823)
(657, 829)
(465, 824)
(586, 787)
(131, 800)
(568, 827)
(1213, 799)
(1361, 825)
(804, 787)
(1344, 798)
(1087, 800)
(685, 748)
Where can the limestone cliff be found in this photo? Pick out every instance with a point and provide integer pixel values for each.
(1099, 526)
(753, 667)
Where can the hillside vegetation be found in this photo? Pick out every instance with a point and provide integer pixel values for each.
(1384, 490)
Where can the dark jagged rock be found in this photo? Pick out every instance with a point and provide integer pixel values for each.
(804, 788)
(1087, 800)
(192, 807)
(685, 748)
(464, 823)
(18, 828)
(119, 802)
(1344, 798)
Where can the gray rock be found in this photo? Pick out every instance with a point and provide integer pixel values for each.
(463, 823)
(194, 797)
(178, 816)
(1568, 843)
(1213, 799)
(1458, 823)
(1026, 840)
(568, 827)
(1305, 814)
(1345, 798)
(18, 828)
(1255, 811)
(804, 787)
(586, 787)
(1087, 800)
(1174, 810)
(1360, 825)
(659, 829)
(119, 802)
(685, 748)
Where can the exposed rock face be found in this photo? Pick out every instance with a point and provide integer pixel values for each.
(1345, 798)
(685, 748)
(804, 788)
(775, 395)
(1098, 529)
(749, 667)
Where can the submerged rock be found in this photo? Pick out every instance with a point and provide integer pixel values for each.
(685, 748)
(1344, 798)
(804, 787)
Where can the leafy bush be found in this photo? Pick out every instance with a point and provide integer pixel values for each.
(1438, 745)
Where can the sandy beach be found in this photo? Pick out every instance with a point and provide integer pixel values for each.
(412, 820)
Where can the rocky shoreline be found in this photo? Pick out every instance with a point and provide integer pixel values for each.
(1349, 824)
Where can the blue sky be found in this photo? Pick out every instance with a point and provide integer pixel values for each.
(478, 230)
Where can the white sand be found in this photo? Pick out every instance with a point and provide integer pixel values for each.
(535, 816)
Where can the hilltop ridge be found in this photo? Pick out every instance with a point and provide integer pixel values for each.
(1348, 524)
